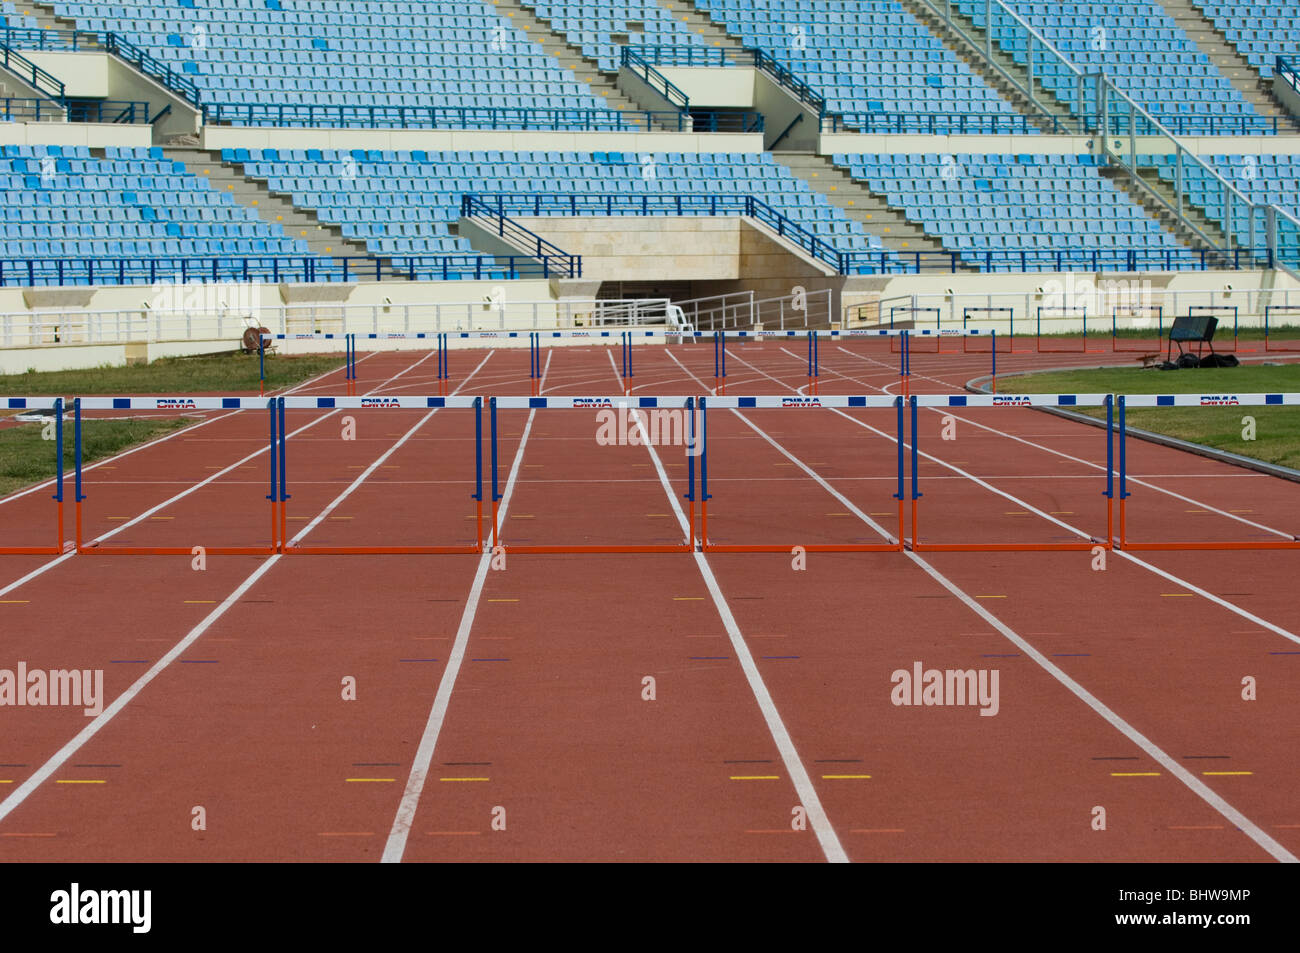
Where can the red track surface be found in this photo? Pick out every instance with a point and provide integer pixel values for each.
(248, 722)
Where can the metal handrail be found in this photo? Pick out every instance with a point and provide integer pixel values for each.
(30, 73)
(653, 78)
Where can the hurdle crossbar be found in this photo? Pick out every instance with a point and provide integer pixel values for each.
(1190, 400)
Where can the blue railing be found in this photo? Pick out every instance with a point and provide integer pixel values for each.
(508, 230)
(878, 262)
(75, 110)
(106, 270)
(30, 73)
(1289, 71)
(653, 78)
(1036, 260)
(539, 203)
(683, 55)
(787, 78)
(935, 124)
(112, 43)
(478, 117)
(1117, 123)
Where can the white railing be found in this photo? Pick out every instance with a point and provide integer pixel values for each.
(75, 326)
(1121, 304)
(741, 310)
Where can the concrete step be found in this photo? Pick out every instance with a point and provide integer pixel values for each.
(1166, 219)
(702, 24)
(571, 58)
(1211, 41)
(859, 203)
(278, 210)
(980, 64)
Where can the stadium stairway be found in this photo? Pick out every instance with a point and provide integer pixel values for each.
(859, 203)
(570, 58)
(1167, 220)
(1206, 36)
(323, 239)
(979, 63)
(699, 22)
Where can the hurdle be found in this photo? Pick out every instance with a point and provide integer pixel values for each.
(720, 362)
(814, 369)
(1221, 312)
(1009, 337)
(1012, 401)
(56, 404)
(1189, 400)
(363, 403)
(1137, 313)
(534, 363)
(627, 362)
(588, 404)
(81, 404)
(799, 402)
(1269, 311)
(1061, 314)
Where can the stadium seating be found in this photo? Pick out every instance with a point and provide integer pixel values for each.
(1268, 179)
(367, 53)
(981, 203)
(60, 203)
(1259, 31)
(1140, 48)
(401, 203)
(861, 55)
(593, 24)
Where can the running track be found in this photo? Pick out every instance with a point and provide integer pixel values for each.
(521, 689)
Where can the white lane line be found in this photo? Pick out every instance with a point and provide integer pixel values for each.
(1198, 787)
(55, 762)
(153, 443)
(803, 785)
(1209, 596)
(395, 846)
(39, 570)
(1038, 446)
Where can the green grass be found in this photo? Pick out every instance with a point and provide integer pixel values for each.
(224, 373)
(1277, 429)
(27, 458)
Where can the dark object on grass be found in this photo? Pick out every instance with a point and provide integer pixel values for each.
(1188, 329)
(1220, 360)
(1188, 360)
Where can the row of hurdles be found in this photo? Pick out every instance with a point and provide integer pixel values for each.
(692, 415)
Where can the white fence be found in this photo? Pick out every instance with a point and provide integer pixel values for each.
(219, 322)
(743, 311)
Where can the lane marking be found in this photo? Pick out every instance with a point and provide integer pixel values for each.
(60, 757)
(464, 779)
(1197, 786)
(803, 785)
(846, 777)
(369, 780)
(756, 777)
(395, 846)
(1150, 567)
(1226, 773)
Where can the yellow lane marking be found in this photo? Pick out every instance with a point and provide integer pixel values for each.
(880, 514)
(522, 516)
(14, 602)
(1175, 595)
(464, 779)
(990, 597)
(340, 517)
(756, 777)
(688, 598)
(1061, 513)
(1135, 774)
(503, 600)
(837, 514)
(1241, 511)
(845, 777)
(115, 517)
(1225, 773)
(27, 835)
(1196, 511)
(656, 514)
(162, 517)
(1016, 513)
(370, 780)
(80, 782)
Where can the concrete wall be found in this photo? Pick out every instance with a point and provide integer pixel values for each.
(630, 248)
(851, 143)
(92, 135)
(405, 140)
(101, 76)
(729, 87)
